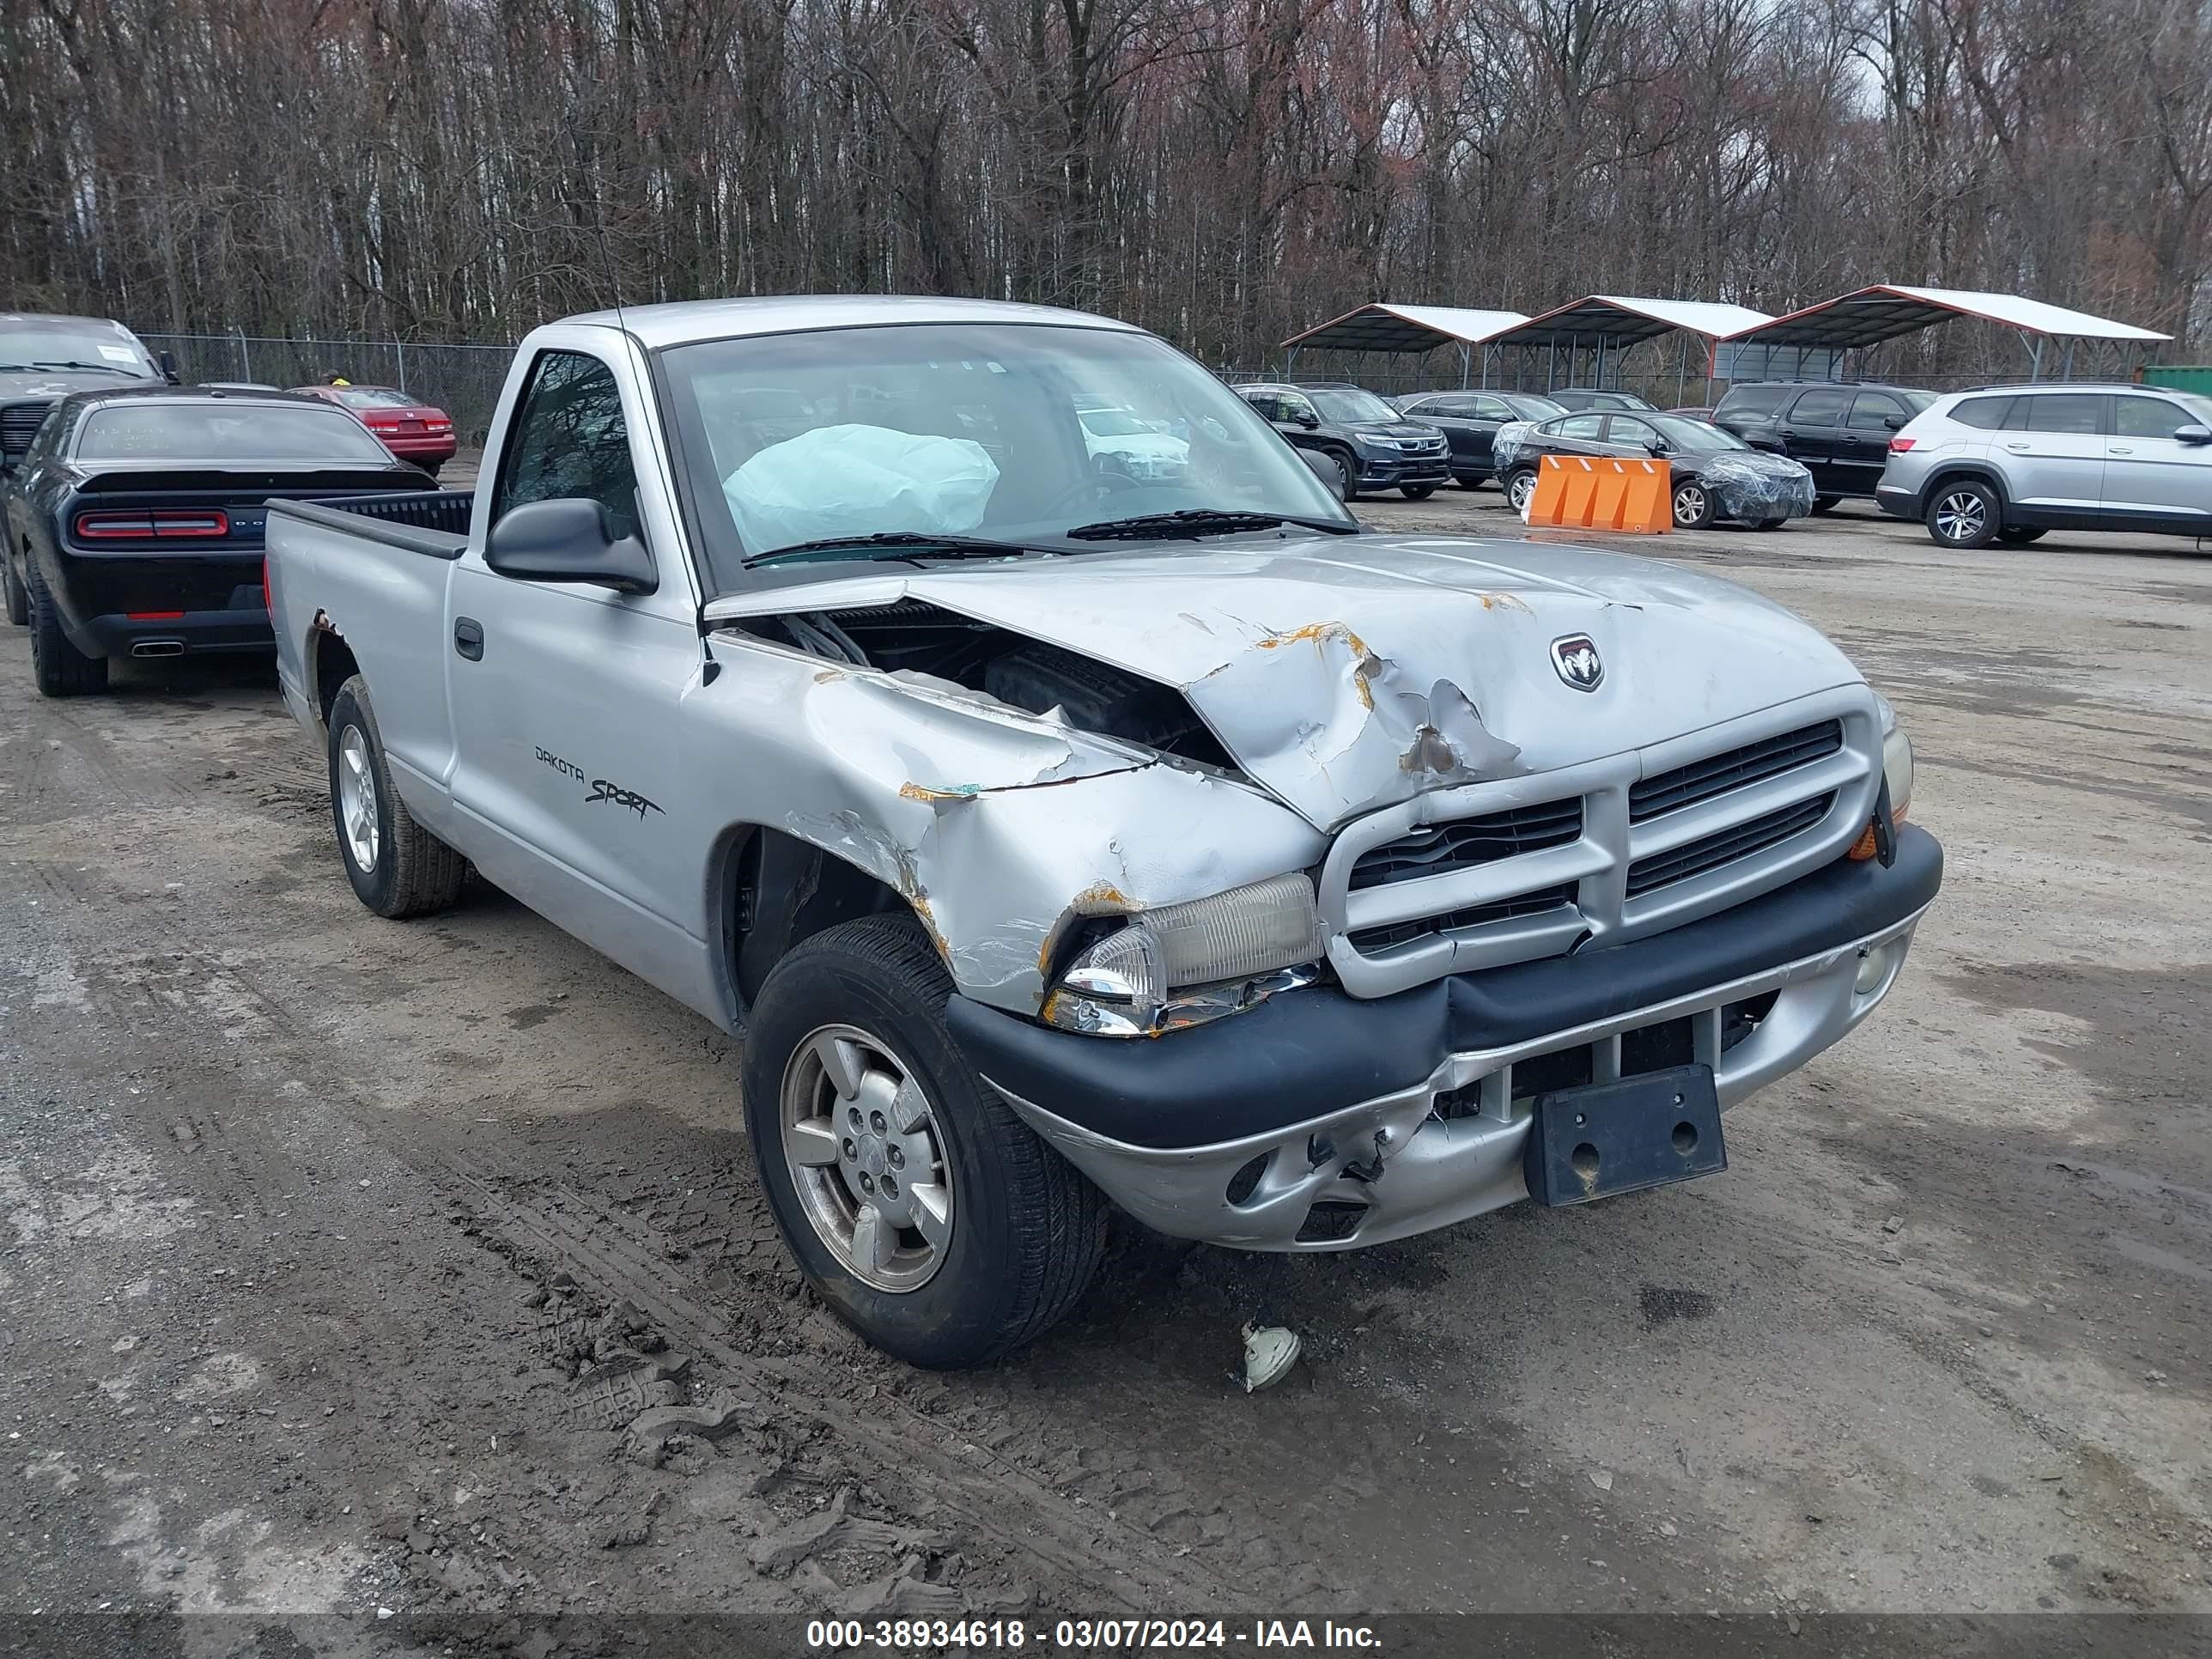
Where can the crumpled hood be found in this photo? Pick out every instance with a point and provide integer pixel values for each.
(1345, 673)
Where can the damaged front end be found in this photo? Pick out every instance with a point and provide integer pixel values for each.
(1758, 488)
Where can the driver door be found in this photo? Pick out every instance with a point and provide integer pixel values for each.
(565, 695)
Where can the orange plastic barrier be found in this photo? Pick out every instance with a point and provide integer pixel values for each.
(1590, 492)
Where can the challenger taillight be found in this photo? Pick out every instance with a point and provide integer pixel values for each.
(1898, 445)
(160, 523)
(267, 604)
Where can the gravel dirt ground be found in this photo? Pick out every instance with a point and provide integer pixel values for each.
(349, 1265)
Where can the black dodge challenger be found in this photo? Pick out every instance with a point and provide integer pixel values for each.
(134, 519)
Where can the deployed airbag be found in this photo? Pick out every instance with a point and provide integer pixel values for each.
(856, 480)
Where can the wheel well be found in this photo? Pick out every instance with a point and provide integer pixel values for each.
(1954, 473)
(778, 891)
(334, 665)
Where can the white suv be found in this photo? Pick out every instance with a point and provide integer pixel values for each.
(2006, 463)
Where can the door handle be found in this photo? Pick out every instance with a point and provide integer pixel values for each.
(468, 638)
(2017, 448)
(2117, 449)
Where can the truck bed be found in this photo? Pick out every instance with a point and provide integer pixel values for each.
(431, 521)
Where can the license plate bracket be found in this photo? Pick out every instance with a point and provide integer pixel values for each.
(1619, 1137)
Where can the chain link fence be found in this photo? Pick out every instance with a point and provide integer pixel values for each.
(463, 380)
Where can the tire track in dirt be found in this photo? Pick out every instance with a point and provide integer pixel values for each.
(1103, 1526)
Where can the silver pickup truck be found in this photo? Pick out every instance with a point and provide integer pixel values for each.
(989, 715)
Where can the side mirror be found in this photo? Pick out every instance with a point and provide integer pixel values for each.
(167, 360)
(1655, 448)
(1894, 422)
(1307, 420)
(1326, 468)
(2192, 435)
(568, 540)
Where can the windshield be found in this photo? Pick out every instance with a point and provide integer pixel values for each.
(212, 431)
(1532, 409)
(2200, 407)
(1352, 408)
(56, 343)
(986, 430)
(1681, 433)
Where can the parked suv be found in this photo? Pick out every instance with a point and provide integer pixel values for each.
(1840, 433)
(1470, 420)
(2006, 463)
(1375, 446)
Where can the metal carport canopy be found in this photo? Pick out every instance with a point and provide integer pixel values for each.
(1619, 321)
(1887, 311)
(1385, 327)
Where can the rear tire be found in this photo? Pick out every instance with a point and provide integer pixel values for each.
(430, 467)
(1825, 503)
(1964, 513)
(1416, 492)
(19, 602)
(398, 868)
(57, 668)
(1469, 481)
(1016, 1231)
(1693, 504)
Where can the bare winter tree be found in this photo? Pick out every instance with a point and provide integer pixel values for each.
(1221, 170)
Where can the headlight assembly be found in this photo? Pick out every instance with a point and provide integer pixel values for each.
(1183, 964)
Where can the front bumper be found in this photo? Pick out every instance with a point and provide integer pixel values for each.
(1318, 1121)
(1408, 470)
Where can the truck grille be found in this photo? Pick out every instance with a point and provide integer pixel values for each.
(1711, 852)
(1522, 904)
(1478, 877)
(1464, 842)
(19, 424)
(1685, 786)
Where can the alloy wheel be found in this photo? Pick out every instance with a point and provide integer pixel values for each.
(357, 799)
(1960, 516)
(867, 1159)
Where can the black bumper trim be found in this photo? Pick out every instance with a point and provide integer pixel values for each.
(202, 632)
(1304, 1054)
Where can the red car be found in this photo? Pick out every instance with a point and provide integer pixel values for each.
(413, 431)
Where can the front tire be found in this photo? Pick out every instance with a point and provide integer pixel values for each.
(923, 1212)
(1825, 503)
(1694, 503)
(1964, 514)
(57, 668)
(398, 868)
(1348, 463)
(1520, 485)
(1416, 492)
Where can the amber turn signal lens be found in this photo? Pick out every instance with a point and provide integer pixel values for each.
(1863, 848)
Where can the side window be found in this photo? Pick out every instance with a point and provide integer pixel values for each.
(1825, 406)
(2070, 412)
(1489, 409)
(1983, 414)
(1296, 408)
(1269, 405)
(2146, 417)
(1873, 411)
(1627, 429)
(1577, 426)
(570, 438)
